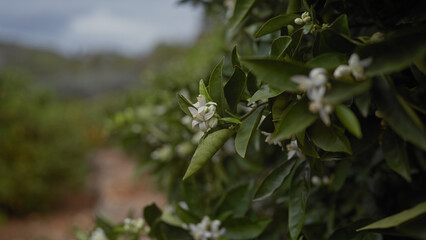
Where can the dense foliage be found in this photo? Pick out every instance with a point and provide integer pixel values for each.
(313, 127)
(43, 144)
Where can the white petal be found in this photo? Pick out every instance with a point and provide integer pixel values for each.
(290, 154)
(194, 123)
(342, 71)
(208, 115)
(202, 100)
(316, 72)
(366, 62)
(203, 126)
(354, 59)
(324, 117)
(298, 21)
(192, 110)
(211, 103)
(213, 122)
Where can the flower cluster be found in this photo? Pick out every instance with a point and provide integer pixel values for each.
(354, 68)
(293, 149)
(203, 114)
(206, 229)
(98, 234)
(314, 85)
(271, 141)
(135, 225)
(304, 19)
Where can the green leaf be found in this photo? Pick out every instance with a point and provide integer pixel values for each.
(246, 130)
(298, 196)
(216, 88)
(397, 219)
(329, 138)
(279, 46)
(203, 91)
(395, 153)
(151, 213)
(328, 61)
(234, 57)
(275, 72)
(207, 148)
(297, 119)
(264, 93)
(342, 171)
(279, 106)
(342, 91)
(231, 120)
(244, 228)
(330, 41)
(348, 119)
(341, 25)
(235, 87)
(294, 6)
(395, 53)
(308, 148)
(362, 102)
(185, 215)
(395, 114)
(184, 103)
(276, 23)
(169, 232)
(274, 180)
(242, 7)
(296, 38)
(237, 200)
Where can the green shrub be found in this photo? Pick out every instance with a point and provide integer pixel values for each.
(322, 103)
(43, 143)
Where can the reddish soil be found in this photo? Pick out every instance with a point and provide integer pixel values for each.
(114, 192)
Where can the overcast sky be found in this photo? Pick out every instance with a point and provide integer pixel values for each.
(80, 26)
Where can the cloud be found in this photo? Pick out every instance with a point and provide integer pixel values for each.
(128, 26)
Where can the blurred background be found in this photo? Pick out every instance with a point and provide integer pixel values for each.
(72, 74)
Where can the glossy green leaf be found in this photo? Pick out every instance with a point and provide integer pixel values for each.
(244, 228)
(330, 41)
(202, 89)
(395, 153)
(242, 7)
(329, 138)
(280, 45)
(296, 39)
(298, 196)
(348, 119)
(216, 88)
(234, 57)
(184, 103)
(169, 232)
(308, 148)
(280, 105)
(397, 219)
(276, 23)
(294, 6)
(185, 215)
(396, 53)
(275, 72)
(235, 87)
(274, 180)
(264, 93)
(395, 115)
(237, 200)
(151, 213)
(342, 91)
(231, 120)
(297, 119)
(328, 61)
(341, 25)
(362, 102)
(246, 130)
(207, 148)
(342, 171)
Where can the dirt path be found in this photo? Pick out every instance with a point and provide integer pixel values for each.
(116, 192)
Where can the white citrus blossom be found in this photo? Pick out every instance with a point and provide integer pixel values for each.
(318, 105)
(203, 114)
(355, 67)
(269, 140)
(293, 149)
(206, 229)
(135, 225)
(98, 234)
(304, 19)
(317, 78)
